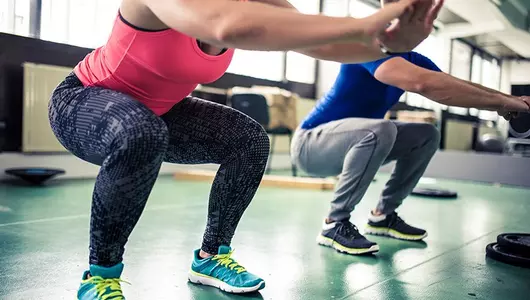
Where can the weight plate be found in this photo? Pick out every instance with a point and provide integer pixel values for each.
(518, 242)
(434, 193)
(520, 126)
(499, 253)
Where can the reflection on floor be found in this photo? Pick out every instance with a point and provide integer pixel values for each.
(43, 238)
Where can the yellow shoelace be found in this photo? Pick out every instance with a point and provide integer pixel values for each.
(226, 260)
(101, 286)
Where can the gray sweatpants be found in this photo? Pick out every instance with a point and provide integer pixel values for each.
(356, 148)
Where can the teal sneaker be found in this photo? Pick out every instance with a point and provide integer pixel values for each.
(223, 272)
(103, 284)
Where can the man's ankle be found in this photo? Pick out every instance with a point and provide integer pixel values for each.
(377, 213)
(329, 221)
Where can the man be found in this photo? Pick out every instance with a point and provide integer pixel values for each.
(346, 135)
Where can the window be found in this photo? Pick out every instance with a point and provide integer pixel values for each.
(336, 8)
(311, 7)
(476, 77)
(460, 68)
(21, 22)
(259, 64)
(433, 48)
(328, 70)
(461, 60)
(359, 9)
(78, 22)
(486, 72)
(299, 67)
(476, 74)
(14, 16)
(491, 79)
(491, 74)
(5, 16)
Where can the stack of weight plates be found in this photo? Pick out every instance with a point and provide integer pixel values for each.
(511, 248)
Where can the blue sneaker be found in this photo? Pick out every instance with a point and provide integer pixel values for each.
(103, 284)
(344, 237)
(223, 272)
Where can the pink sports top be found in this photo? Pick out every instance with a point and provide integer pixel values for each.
(158, 68)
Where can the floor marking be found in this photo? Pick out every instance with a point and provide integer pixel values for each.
(44, 220)
(65, 218)
(421, 263)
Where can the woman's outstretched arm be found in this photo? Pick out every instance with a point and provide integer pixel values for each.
(254, 25)
(414, 27)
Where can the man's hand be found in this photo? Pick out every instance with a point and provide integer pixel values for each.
(526, 99)
(411, 28)
(508, 116)
(520, 104)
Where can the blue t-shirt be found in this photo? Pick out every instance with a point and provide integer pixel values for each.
(356, 93)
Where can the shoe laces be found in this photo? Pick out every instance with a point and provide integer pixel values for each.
(227, 261)
(104, 285)
(348, 229)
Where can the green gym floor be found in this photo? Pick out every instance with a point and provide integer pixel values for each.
(44, 232)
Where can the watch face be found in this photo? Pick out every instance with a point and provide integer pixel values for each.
(520, 126)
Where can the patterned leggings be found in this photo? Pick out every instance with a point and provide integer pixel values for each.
(130, 143)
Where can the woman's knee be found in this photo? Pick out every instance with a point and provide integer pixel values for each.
(255, 143)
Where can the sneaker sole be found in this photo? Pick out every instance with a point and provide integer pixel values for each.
(197, 278)
(327, 242)
(393, 234)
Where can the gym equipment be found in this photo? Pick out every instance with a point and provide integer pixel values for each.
(519, 147)
(491, 143)
(35, 176)
(520, 126)
(519, 136)
(434, 193)
(518, 242)
(508, 256)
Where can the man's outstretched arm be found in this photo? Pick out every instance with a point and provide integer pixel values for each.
(446, 89)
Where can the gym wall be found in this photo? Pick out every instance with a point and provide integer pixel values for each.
(12, 58)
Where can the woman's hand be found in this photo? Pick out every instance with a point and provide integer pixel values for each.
(412, 27)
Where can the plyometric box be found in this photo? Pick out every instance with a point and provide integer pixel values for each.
(268, 180)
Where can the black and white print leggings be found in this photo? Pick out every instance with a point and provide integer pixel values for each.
(130, 142)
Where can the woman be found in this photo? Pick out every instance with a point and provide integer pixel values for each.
(126, 108)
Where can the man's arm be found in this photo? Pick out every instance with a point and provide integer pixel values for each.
(444, 88)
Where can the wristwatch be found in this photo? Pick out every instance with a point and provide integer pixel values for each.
(386, 51)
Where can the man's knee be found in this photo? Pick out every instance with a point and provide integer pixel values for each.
(432, 136)
(386, 133)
